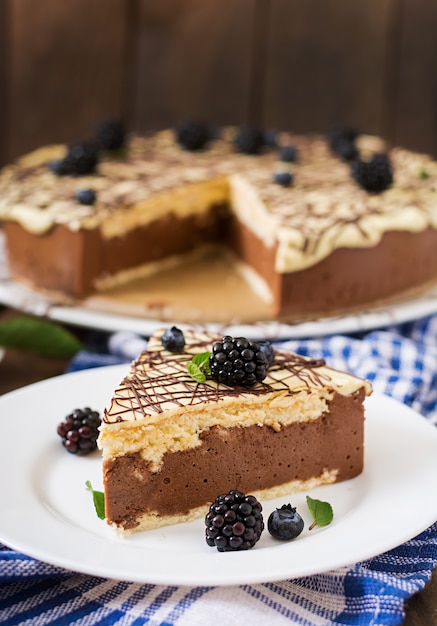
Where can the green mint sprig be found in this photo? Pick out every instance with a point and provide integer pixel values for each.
(98, 499)
(321, 512)
(198, 368)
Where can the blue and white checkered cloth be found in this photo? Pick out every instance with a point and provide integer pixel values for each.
(400, 361)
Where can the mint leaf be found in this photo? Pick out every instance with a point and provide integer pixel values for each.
(98, 499)
(423, 174)
(38, 335)
(198, 368)
(321, 511)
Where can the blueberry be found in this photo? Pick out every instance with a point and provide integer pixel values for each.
(58, 167)
(283, 178)
(86, 196)
(285, 523)
(288, 154)
(268, 350)
(173, 340)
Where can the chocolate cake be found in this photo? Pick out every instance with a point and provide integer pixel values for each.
(310, 236)
(171, 445)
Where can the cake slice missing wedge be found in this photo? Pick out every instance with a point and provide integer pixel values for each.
(171, 444)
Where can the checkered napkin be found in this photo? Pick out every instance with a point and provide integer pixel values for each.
(401, 362)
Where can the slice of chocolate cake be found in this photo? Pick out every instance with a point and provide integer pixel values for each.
(171, 444)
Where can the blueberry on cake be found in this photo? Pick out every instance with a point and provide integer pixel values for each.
(179, 430)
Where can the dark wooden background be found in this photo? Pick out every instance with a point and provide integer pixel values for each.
(303, 65)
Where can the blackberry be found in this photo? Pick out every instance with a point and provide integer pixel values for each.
(288, 153)
(80, 159)
(285, 523)
(110, 134)
(342, 143)
(86, 196)
(285, 179)
(192, 135)
(79, 431)
(237, 362)
(173, 340)
(249, 140)
(375, 175)
(234, 522)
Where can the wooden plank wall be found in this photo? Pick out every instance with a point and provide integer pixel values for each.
(304, 65)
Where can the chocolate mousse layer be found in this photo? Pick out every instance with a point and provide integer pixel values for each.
(400, 265)
(74, 262)
(252, 459)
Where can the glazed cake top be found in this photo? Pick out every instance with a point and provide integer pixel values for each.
(158, 385)
(324, 209)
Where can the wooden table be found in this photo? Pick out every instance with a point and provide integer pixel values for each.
(18, 369)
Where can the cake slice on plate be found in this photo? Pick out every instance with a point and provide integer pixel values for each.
(172, 443)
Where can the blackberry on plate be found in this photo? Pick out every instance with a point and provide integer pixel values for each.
(341, 141)
(234, 522)
(285, 523)
(192, 135)
(79, 431)
(249, 140)
(110, 134)
(173, 340)
(237, 362)
(284, 179)
(81, 158)
(373, 175)
(86, 196)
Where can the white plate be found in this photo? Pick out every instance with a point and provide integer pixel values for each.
(27, 300)
(47, 513)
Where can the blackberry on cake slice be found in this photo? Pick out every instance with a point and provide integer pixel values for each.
(237, 362)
